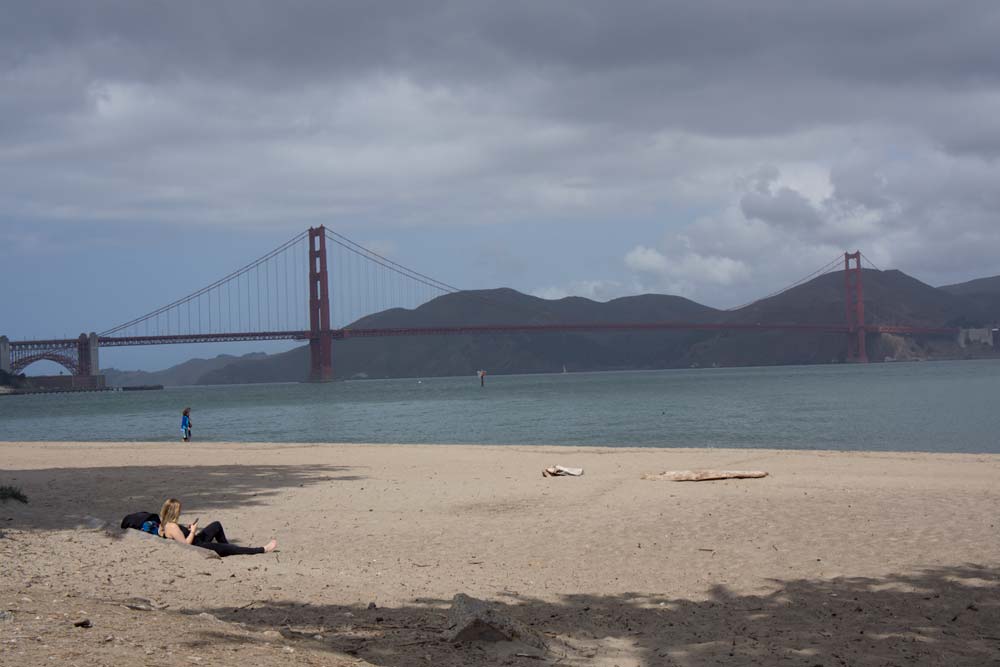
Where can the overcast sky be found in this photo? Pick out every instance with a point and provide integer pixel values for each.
(714, 150)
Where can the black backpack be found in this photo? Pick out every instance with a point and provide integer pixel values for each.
(147, 522)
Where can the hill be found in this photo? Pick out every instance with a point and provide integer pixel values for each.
(891, 297)
(423, 356)
(978, 286)
(985, 292)
(188, 373)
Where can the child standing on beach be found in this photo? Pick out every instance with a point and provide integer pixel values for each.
(186, 425)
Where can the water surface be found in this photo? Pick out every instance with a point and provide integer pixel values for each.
(937, 407)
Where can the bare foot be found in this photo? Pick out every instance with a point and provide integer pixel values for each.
(270, 546)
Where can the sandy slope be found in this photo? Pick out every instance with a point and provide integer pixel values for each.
(835, 558)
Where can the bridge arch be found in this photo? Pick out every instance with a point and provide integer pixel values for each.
(69, 363)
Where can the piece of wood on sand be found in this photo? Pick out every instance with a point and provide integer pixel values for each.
(702, 475)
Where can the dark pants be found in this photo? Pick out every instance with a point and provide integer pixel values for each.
(213, 537)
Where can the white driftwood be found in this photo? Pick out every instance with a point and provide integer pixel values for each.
(702, 475)
(559, 471)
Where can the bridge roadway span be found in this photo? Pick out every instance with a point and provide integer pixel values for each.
(342, 334)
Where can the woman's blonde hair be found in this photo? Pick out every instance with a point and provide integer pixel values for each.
(170, 512)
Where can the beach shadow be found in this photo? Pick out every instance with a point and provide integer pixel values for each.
(943, 616)
(109, 493)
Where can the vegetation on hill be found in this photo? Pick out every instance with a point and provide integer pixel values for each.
(891, 297)
(188, 373)
(984, 292)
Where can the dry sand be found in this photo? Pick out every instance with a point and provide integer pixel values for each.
(836, 558)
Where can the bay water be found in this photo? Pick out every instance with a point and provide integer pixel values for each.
(934, 407)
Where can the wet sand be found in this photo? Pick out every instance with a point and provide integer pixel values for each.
(835, 558)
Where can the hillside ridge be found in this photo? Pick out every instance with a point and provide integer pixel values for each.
(891, 297)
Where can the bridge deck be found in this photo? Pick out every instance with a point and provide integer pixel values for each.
(341, 334)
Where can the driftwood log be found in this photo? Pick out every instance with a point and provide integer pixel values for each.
(559, 471)
(702, 475)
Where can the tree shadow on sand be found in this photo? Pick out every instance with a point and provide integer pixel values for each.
(942, 616)
(109, 493)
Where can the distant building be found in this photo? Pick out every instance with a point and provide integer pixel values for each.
(985, 336)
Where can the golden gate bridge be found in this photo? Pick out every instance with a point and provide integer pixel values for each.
(268, 300)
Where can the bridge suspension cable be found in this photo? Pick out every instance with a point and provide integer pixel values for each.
(865, 257)
(371, 255)
(235, 302)
(830, 266)
(270, 295)
(271, 299)
(420, 287)
(367, 282)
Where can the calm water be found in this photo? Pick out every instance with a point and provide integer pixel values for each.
(943, 407)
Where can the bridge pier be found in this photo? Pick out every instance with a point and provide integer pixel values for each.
(4, 354)
(321, 359)
(87, 354)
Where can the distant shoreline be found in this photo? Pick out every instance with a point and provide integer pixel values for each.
(994, 356)
(230, 445)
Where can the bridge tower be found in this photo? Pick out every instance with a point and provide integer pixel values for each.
(320, 340)
(855, 306)
(4, 354)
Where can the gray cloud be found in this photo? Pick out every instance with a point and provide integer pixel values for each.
(875, 125)
(783, 208)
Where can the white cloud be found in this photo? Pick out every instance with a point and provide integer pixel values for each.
(681, 272)
(595, 290)
(648, 260)
(784, 208)
(918, 214)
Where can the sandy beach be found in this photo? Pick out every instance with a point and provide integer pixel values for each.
(835, 558)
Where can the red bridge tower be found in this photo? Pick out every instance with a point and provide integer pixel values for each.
(855, 300)
(320, 340)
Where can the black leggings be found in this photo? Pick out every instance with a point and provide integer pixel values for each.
(213, 537)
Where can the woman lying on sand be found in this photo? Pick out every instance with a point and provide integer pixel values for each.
(211, 537)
